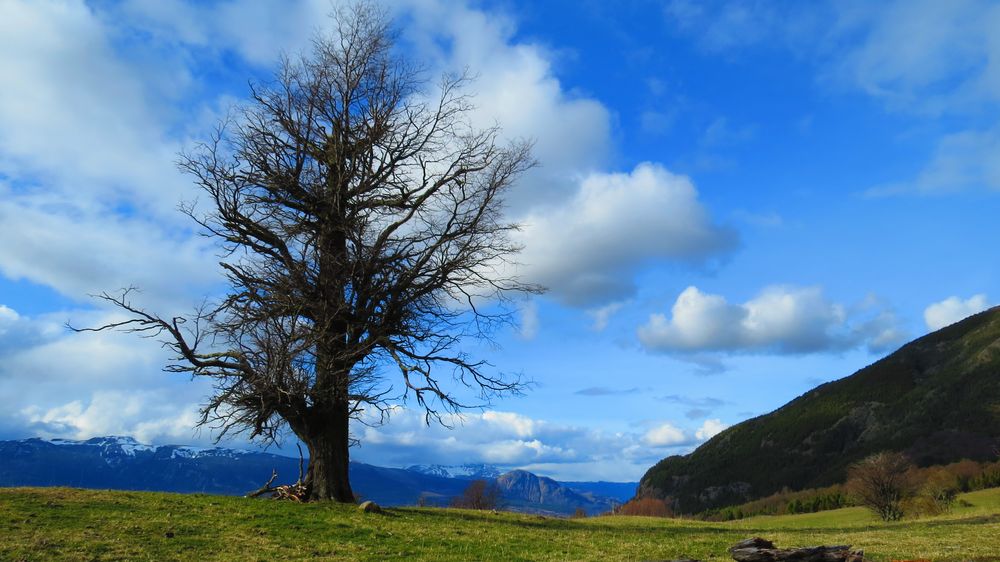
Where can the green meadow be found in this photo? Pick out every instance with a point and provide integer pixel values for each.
(71, 524)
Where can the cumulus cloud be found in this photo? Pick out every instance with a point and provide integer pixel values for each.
(73, 255)
(255, 30)
(587, 250)
(142, 415)
(89, 186)
(664, 435)
(90, 130)
(514, 440)
(516, 88)
(709, 429)
(779, 319)
(78, 115)
(18, 332)
(56, 383)
(95, 119)
(952, 309)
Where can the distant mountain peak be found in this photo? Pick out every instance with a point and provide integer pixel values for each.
(113, 445)
(469, 471)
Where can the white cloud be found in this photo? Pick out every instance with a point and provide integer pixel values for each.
(709, 429)
(89, 133)
(602, 315)
(96, 118)
(57, 383)
(952, 309)
(89, 186)
(919, 55)
(517, 441)
(723, 25)
(923, 57)
(515, 87)
(78, 115)
(8, 316)
(85, 253)
(529, 320)
(721, 133)
(144, 416)
(519, 425)
(587, 250)
(664, 435)
(960, 161)
(780, 319)
(257, 30)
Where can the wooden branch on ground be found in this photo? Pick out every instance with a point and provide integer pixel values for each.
(265, 488)
(295, 492)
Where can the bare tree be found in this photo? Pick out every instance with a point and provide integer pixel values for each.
(360, 216)
(882, 483)
(479, 494)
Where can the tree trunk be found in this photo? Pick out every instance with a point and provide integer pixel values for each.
(329, 458)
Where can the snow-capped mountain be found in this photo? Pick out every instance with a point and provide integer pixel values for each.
(125, 464)
(461, 471)
(117, 446)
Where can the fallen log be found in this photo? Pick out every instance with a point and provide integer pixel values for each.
(763, 550)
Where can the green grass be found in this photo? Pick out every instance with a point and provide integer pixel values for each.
(69, 524)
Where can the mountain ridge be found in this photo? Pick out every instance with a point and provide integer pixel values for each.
(116, 462)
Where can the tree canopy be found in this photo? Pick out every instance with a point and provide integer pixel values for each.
(361, 220)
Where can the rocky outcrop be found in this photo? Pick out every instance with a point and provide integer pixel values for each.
(521, 490)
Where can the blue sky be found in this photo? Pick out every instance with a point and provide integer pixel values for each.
(736, 201)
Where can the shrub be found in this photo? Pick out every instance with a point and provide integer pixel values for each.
(649, 507)
(883, 482)
(939, 490)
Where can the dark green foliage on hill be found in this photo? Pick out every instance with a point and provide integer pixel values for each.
(783, 503)
(937, 399)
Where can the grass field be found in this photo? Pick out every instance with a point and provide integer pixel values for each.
(69, 524)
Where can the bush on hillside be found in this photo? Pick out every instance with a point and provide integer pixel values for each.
(648, 507)
(938, 492)
(883, 483)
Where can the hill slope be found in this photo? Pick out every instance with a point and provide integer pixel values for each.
(936, 398)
